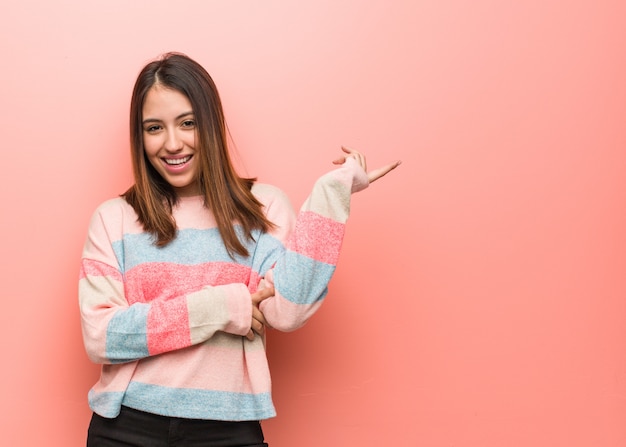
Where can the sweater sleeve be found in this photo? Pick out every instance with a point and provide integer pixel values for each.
(302, 272)
(118, 327)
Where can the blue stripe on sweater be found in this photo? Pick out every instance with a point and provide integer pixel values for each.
(302, 280)
(192, 247)
(198, 404)
(126, 334)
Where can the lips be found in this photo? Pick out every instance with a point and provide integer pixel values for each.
(177, 161)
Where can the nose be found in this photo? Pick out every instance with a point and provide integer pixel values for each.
(173, 142)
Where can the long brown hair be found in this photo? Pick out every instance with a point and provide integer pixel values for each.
(226, 194)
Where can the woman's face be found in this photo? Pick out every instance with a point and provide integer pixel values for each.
(169, 136)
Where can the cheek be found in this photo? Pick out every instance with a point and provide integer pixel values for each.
(150, 146)
(152, 160)
(191, 140)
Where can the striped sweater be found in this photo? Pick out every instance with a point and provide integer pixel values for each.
(168, 324)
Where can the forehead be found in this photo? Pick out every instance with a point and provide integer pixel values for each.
(163, 103)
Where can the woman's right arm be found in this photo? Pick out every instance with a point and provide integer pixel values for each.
(118, 327)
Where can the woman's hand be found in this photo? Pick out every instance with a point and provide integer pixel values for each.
(360, 158)
(258, 320)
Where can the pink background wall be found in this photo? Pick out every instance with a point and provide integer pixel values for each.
(480, 299)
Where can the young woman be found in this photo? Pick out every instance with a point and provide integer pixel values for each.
(182, 274)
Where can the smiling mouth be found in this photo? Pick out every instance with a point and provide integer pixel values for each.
(177, 161)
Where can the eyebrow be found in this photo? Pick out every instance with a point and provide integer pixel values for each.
(154, 120)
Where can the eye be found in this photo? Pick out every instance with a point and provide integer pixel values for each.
(152, 129)
(188, 124)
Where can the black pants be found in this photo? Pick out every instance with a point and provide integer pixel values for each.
(139, 429)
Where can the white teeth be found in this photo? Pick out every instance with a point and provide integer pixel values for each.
(177, 161)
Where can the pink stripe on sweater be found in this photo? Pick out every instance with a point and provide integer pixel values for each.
(168, 326)
(89, 267)
(167, 280)
(248, 371)
(311, 228)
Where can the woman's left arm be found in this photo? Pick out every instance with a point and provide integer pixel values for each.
(301, 275)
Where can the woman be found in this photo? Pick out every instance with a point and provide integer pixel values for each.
(181, 275)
